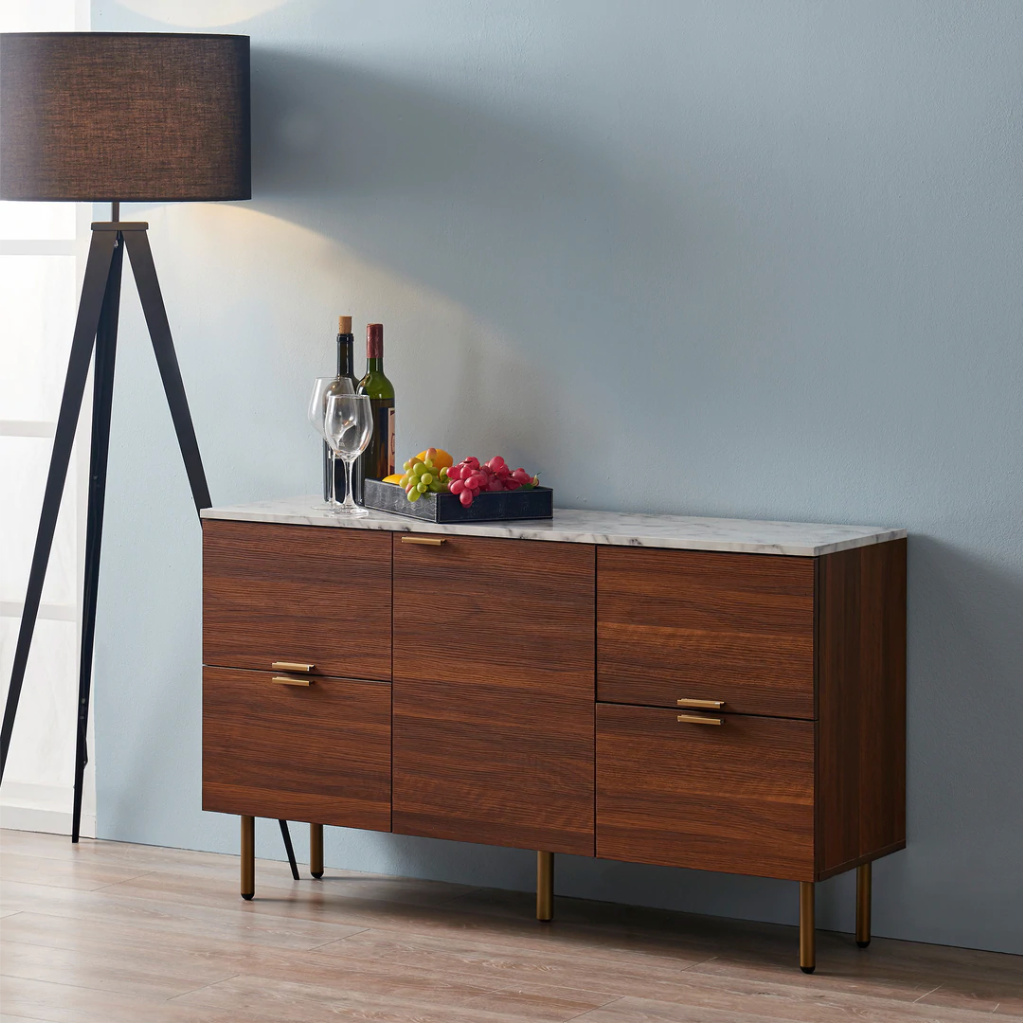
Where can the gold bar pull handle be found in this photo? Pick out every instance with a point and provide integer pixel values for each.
(435, 542)
(292, 680)
(693, 702)
(292, 666)
(700, 720)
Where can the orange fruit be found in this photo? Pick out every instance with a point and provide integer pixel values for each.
(441, 458)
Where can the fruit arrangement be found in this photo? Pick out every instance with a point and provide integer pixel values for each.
(426, 472)
(434, 471)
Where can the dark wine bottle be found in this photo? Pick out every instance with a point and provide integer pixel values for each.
(378, 461)
(346, 342)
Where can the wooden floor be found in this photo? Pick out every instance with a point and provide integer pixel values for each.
(114, 932)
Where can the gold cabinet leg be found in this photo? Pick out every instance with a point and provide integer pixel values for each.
(807, 927)
(248, 857)
(545, 885)
(864, 905)
(316, 851)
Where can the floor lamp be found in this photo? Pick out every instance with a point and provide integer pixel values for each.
(115, 117)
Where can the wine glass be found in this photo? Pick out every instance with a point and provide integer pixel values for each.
(348, 424)
(317, 413)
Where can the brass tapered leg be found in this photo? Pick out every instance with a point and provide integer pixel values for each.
(864, 905)
(316, 851)
(545, 885)
(248, 857)
(807, 927)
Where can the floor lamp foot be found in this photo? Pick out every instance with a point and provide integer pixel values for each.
(288, 849)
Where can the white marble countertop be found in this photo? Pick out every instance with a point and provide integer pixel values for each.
(582, 526)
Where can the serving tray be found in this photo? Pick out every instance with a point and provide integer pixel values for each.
(534, 503)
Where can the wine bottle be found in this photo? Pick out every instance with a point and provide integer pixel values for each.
(378, 461)
(346, 341)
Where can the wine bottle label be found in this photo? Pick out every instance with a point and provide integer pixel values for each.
(391, 440)
(379, 458)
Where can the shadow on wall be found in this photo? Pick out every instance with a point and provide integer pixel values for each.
(585, 264)
(441, 186)
(490, 214)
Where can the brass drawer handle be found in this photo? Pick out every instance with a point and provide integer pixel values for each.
(693, 702)
(292, 680)
(435, 542)
(700, 720)
(292, 666)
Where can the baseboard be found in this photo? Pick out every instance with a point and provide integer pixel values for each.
(33, 808)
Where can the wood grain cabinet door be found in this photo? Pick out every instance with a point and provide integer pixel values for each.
(494, 692)
(738, 797)
(319, 753)
(299, 594)
(706, 625)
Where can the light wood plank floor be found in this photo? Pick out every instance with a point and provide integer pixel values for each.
(115, 932)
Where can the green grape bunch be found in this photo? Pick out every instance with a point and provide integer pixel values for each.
(421, 477)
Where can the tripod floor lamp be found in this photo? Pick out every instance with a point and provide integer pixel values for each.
(115, 117)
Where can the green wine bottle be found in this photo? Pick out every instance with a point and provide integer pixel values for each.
(378, 461)
(345, 343)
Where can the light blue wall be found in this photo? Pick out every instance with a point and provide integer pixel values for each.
(728, 258)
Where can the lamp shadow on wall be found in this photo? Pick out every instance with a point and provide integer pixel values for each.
(435, 183)
(574, 267)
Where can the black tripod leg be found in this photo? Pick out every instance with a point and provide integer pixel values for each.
(93, 289)
(160, 333)
(286, 836)
(103, 394)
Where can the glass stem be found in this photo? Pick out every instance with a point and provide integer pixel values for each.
(349, 500)
(332, 490)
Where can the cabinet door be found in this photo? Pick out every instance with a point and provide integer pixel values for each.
(494, 692)
(737, 797)
(674, 626)
(297, 594)
(318, 753)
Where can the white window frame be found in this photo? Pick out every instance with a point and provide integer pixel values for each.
(29, 804)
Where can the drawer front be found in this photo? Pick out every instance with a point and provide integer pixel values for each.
(297, 595)
(494, 692)
(695, 625)
(738, 797)
(318, 753)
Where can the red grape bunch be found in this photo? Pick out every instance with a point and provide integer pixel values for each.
(469, 478)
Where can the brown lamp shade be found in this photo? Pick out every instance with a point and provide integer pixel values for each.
(127, 116)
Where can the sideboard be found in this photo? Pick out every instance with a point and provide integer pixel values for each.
(717, 694)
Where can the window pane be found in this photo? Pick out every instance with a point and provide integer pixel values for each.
(43, 744)
(37, 16)
(24, 463)
(37, 221)
(37, 295)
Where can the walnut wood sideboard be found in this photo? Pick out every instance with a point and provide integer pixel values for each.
(716, 694)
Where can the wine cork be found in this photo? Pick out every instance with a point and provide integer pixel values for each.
(344, 325)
